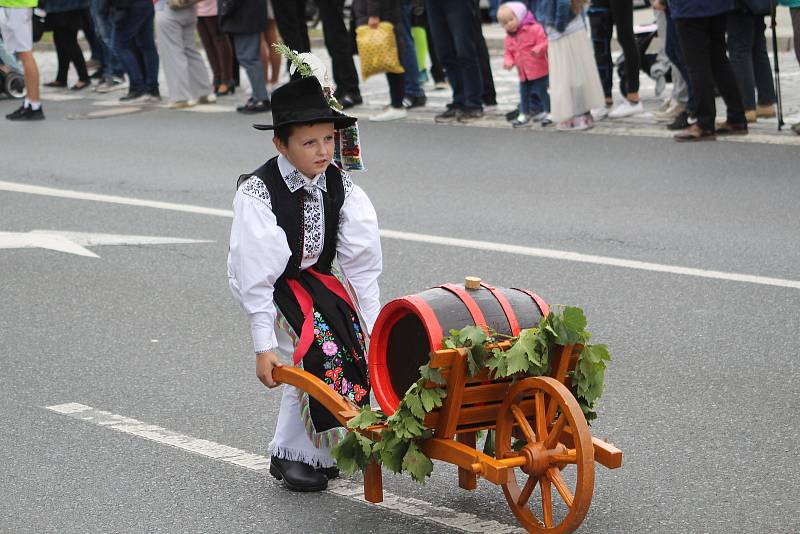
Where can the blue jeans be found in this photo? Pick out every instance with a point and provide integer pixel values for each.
(104, 29)
(134, 34)
(533, 97)
(247, 47)
(453, 31)
(747, 48)
(408, 53)
(672, 48)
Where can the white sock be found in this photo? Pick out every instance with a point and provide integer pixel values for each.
(34, 105)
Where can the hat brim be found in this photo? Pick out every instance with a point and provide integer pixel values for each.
(339, 122)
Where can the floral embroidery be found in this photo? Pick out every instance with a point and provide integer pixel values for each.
(254, 187)
(313, 219)
(294, 180)
(337, 356)
(347, 182)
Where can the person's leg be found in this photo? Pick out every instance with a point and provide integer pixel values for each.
(274, 59)
(246, 46)
(60, 39)
(75, 55)
(795, 13)
(437, 70)
(413, 87)
(197, 71)
(125, 31)
(225, 54)
(396, 89)
(170, 52)
(695, 40)
(761, 67)
(675, 54)
(622, 13)
(146, 44)
(206, 37)
(488, 92)
(30, 70)
(540, 90)
(740, 30)
(90, 32)
(602, 28)
(340, 47)
(440, 31)
(290, 18)
(723, 72)
(461, 21)
(525, 97)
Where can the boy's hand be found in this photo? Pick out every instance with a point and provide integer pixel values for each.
(373, 22)
(265, 363)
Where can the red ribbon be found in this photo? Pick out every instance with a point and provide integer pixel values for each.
(307, 308)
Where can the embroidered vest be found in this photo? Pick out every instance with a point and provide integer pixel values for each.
(288, 209)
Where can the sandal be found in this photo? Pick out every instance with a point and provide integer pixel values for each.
(695, 133)
(81, 84)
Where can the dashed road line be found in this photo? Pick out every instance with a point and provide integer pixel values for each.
(564, 255)
(419, 509)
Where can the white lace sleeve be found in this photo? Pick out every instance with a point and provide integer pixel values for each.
(258, 256)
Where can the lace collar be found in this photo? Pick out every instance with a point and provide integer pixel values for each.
(295, 179)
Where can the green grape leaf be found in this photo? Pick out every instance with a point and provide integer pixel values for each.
(417, 464)
(432, 398)
(414, 403)
(392, 451)
(366, 418)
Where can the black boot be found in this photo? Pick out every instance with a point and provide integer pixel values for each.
(297, 476)
(329, 472)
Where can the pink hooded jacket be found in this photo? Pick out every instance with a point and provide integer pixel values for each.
(527, 50)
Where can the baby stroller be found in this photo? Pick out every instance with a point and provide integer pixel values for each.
(12, 82)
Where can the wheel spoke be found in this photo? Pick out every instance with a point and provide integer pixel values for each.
(547, 502)
(555, 432)
(561, 485)
(527, 491)
(523, 423)
(541, 422)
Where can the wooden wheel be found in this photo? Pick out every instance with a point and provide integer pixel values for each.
(540, 409)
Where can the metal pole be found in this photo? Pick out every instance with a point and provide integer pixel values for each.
(775, 61)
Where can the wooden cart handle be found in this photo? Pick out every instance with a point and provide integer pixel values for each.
(305, 381)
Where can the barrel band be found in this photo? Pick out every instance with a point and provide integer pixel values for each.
(544, 309)
(506, 306)
(472, 306)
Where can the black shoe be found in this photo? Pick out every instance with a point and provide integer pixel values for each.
(450, 115)
(134, 96)
(348, 100)
(26, 113)
(470, 115)
(329, 472)
(511, 115)
(681, 122)
(154, 95)
(255, 106)
(297, 476)
(415, 101)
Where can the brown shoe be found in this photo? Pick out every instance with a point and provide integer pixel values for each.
(728, 128)
(751, 116)
(766, 112)
(694, 133)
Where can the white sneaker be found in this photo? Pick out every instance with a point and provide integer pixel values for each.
(210, 98)
(539, 116)
(626, 109)
(389, 114)
(599, 114)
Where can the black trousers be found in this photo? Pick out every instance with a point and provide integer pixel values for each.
(703, 43)
(290, 15)
(489, 95)
(604, 15)
(69, 51)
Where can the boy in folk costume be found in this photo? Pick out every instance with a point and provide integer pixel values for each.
(304, 262)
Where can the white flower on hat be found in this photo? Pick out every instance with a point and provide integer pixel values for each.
(317, 66)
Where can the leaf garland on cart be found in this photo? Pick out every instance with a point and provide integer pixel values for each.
(529, 355)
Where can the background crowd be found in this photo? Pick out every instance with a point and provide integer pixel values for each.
(560, 49)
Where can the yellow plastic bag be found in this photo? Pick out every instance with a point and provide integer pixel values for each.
(377, 49)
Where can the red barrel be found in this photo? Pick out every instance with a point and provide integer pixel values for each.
(410, 327)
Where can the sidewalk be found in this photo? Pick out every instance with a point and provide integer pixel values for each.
(376, 95)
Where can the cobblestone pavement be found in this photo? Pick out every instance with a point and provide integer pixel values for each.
(376, 95)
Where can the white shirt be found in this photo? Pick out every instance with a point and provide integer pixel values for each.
(259, 251)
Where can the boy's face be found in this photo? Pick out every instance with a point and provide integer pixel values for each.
(507, 20)
(310, 148)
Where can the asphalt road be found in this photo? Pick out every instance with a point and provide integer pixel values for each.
(702, 394)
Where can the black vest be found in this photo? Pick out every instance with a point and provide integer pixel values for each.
(288, 210)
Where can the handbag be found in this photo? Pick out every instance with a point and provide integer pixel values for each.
(38, 24)
(181, 4)
(377, 50)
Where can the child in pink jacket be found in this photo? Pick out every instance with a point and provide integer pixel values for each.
(526, 49)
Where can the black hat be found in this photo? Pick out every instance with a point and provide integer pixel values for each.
(302, 101)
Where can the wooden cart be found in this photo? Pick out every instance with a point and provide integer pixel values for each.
(558, 455)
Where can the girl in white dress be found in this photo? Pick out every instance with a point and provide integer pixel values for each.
(304, 262)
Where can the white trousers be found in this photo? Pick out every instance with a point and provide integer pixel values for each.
(186, 72)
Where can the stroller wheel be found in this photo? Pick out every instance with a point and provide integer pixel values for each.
(15, 85)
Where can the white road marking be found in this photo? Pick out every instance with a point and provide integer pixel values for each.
(74, 242)
(564, 255)
(417, 508)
